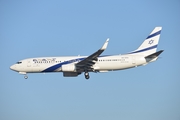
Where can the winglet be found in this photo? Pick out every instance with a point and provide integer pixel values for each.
(105, 45)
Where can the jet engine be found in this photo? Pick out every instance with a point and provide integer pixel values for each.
(69, 68)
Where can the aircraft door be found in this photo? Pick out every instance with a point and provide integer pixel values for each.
(133, 60)
(28, 63)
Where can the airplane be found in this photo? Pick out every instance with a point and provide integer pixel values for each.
(72, 66)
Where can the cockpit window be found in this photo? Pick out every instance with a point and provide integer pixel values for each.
(19, 62)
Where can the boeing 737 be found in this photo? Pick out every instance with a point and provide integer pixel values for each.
(72, 66)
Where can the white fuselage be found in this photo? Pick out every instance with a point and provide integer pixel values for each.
(54, 64)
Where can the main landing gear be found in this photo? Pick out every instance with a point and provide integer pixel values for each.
(86, 74)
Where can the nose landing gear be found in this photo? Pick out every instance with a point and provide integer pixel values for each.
(26, 77)
(86, 74)
(25, 74)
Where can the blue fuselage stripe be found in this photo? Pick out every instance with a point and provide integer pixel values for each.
(149, 48)
(54, 67)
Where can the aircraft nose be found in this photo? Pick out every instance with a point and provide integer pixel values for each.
(13, 67)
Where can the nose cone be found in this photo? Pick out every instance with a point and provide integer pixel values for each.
(13, 67)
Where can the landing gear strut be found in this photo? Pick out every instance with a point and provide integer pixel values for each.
(86, 74)
(26, 77)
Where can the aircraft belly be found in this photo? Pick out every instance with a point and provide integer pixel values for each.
(114, 66)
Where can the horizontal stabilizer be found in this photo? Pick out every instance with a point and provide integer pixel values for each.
(154, 55)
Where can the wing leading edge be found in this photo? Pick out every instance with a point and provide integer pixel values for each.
(85, 65)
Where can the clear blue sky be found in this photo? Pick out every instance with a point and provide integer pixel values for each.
(36, 28)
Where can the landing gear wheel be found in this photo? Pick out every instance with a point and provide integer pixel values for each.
(26, 77)
(87, 77)
(86, 74)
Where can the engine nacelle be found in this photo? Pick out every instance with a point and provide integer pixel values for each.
(69, 68)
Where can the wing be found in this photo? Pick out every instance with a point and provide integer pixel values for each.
(86, 64)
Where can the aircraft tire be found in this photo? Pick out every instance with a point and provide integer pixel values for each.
(26, 77)
(86, 74)
(87, 77)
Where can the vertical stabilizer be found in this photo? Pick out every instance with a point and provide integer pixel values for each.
(150, 44)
